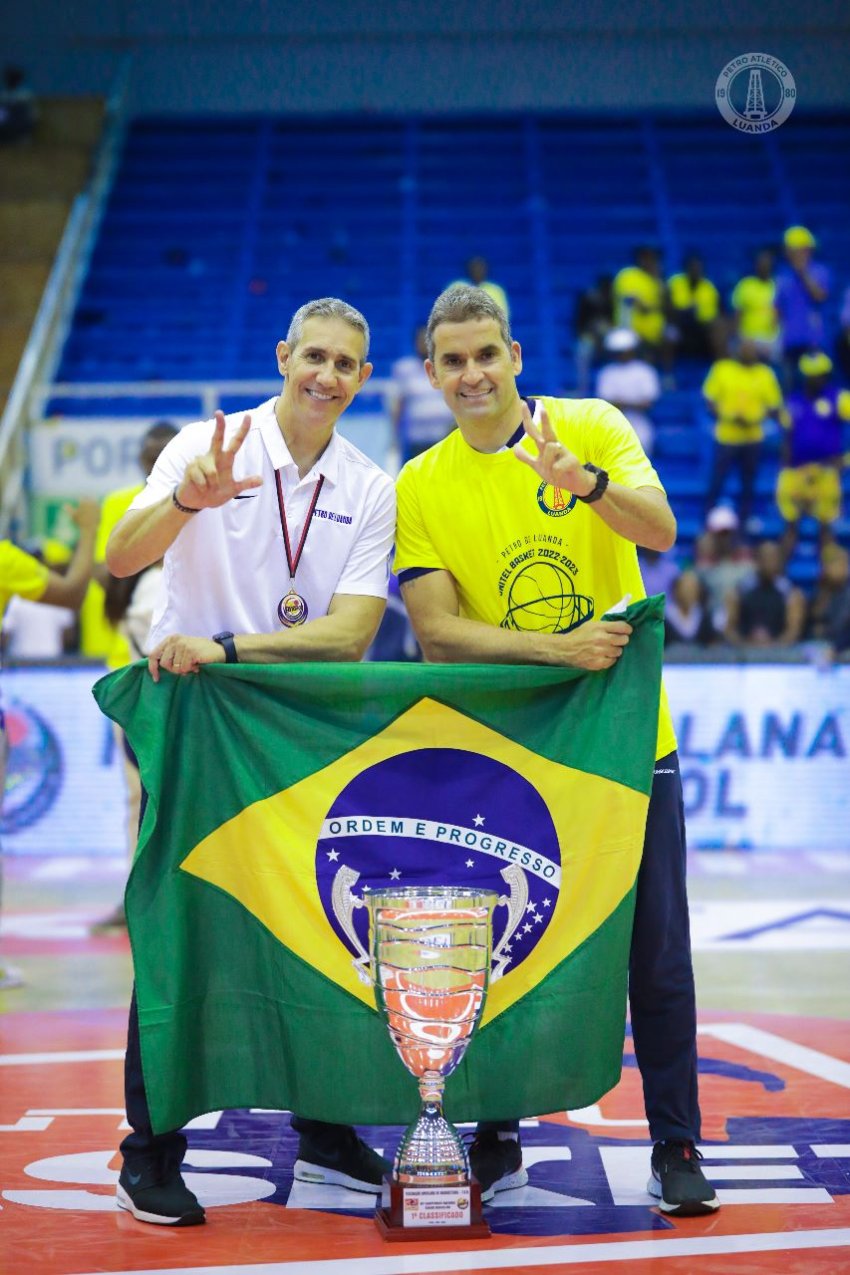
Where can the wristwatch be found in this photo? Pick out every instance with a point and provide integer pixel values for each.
(601, 484)
(226, 640)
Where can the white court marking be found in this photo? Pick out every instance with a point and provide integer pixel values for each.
(755, 1040)
(785, 925)
(509, 1258)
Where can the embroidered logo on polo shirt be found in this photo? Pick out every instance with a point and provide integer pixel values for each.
(331, 515)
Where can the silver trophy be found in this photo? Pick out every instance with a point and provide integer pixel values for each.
(431, 956)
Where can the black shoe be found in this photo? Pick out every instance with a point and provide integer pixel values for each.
(496, 1163)
(678, 1182)
(343, 1160)
(155, 1192)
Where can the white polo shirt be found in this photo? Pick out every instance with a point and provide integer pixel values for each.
(227, 568)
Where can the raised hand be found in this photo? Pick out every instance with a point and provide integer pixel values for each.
(208, 481)
(554, 462)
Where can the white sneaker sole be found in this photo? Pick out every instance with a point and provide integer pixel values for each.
(124, 1202)
(320, 1176)
(691, 1208)
(510, 1182)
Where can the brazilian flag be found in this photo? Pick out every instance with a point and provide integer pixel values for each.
(279, 796)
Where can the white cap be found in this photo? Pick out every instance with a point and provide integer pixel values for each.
(621, 339)
(722, 518)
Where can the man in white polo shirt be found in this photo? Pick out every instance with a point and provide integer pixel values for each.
(276, 534)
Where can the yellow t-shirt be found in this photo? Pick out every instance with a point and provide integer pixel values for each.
(704, 298)
(749, 392)
(523, 554)
(21, 575)
(754, 300)
(98, 638)
(630, 284)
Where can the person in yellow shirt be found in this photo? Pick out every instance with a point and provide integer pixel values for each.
(753, 304)
(568, 482)
(741, 393)
(98, 638)
(694, 310)
(640, 298)
(23, 576)
(478, 271)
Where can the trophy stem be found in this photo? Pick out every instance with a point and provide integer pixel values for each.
(431, 1152)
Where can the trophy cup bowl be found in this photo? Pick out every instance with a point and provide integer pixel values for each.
(431, 955)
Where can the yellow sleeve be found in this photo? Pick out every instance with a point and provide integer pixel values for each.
(413, 546)
(773, 397)
(844, 405)
(615, 447)
(712, 386)
(21, 574)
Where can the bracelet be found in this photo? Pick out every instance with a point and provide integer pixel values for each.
(184, 509)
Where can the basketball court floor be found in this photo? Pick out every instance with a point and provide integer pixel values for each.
(772, 954)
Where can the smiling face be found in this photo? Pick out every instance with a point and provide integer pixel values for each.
(324, 370)
(476, 373)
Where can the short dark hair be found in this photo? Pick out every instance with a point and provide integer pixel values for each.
(460, 303)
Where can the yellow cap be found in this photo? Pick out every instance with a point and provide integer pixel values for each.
(815, 365)
(798, 237)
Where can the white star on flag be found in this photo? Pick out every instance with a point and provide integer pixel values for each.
(395, 874)
(530, 907)
(547, 903)
(470, 863)
(478, 820)
(333, 855)
(526, 929)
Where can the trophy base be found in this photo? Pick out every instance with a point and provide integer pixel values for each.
(416, 1213)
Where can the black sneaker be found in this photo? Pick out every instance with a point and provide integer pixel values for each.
(155, 1192)
(344, 1160)
(496, 1163)
(678, 1182)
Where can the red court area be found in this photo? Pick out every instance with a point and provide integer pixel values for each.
(775, 1093)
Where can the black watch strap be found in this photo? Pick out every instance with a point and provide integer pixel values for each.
(226, 640)
(601, 484)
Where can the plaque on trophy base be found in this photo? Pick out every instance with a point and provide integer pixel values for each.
(431, 1212)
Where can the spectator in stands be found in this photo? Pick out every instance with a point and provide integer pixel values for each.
(18, 108)
(694, 304)
(687, 616)
(478, 275)
(753, 304)
(842, 342)
(812, 451)
(594, 319)
(771, 611)
(723, 563)
(22, 575)
(640, 299)
(802, 287)
(104, 637)
(828, 618)
(658, 570)
(741, 393)
(630, 383)
(100, 639)
(419, 415)
(39, 630)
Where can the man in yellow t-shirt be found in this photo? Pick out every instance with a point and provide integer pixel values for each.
(98, 638)
(753, 301)
(640, 298)
(694, 309)
(741, 393)
(514, 563)
(23, 576)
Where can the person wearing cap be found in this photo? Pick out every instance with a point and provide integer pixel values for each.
(630, 383)
(694, 309)
(753, 303)
(723, 563)
(802, 287)
(812, 451)
(741, 393)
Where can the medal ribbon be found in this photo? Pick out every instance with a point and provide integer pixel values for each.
(293, 560)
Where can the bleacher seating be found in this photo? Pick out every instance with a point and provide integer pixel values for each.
(218, 227)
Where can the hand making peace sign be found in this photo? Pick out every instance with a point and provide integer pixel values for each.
(208, 480)
(554, 462)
